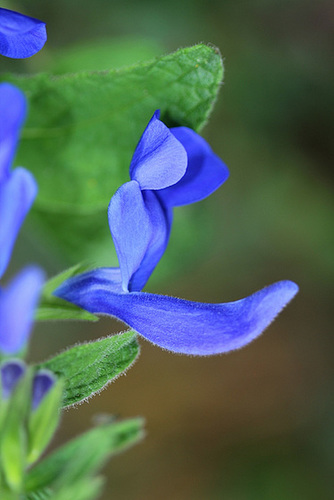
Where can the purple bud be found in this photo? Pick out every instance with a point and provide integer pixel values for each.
(11, 372)
(42, 384)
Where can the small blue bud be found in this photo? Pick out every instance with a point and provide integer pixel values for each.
(46, 399)
(42, 383)
(11, 372)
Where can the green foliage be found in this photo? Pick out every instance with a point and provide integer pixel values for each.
(85, 489)
(82, 130)
(39, 495)
(13, 445)
(102, 54)
(51, 307)
(87, 368)
(9, 495)
(43, 422)
(81, 458)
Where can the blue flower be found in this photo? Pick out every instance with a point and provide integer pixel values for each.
(20, 36)
(17, 192)
(140, 216)
(17, 307)
(169, 168)
(17, 188)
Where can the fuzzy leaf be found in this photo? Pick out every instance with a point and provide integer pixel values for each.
(84, 455)
(87, 368)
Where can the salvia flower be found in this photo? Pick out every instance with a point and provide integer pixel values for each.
(17, 192)
(17, 307)
(140, 218)
(18, 187)
(20, 36)
(170, 167)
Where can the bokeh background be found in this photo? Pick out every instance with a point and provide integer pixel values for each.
(256, 423)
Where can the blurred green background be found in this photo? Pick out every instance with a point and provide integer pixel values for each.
(257, 423)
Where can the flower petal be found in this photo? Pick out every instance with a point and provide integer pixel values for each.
(130, 227)
(179, 325)
(12, 114)
(17, 306)
(16, 197)
(159, 160)
(161, 221)
(20, 36)
(204, 174)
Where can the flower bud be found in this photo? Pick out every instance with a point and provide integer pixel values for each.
(10, 372)
(46, 400)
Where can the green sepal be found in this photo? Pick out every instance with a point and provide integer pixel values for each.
(51, 307)
(87, 368)
(43, 422)
(83, 456)
(13, 445)
(4, 404)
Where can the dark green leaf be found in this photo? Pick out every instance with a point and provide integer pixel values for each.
(87, 368)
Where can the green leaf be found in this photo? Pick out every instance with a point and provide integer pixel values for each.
(104, 54)
(51, 307)
(12, 437)
(82, 130)
(45, 494)
(9, 495)
(87, 368)
(86, 489)
(84, 455)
